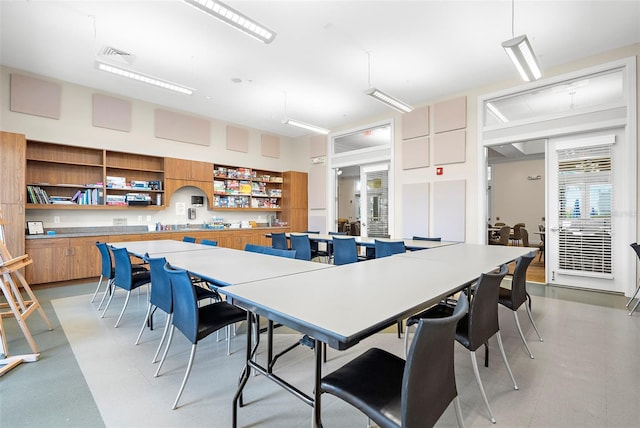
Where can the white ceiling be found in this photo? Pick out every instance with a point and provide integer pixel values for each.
(419, 50)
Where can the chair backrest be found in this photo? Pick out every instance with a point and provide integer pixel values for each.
(290, 254)
(504, 235)
(636, 248)
(519, 281)
(185, 306)
(279, 240)
(388, 248)
(105, 258)
(424, 238)
(209, 242)
(160, 285)
(189, 239)
(541, 228)
(302, 245)
(123, 269)
(345, 251)
(338, 233)
(483, 309)
(429, 382)
(524, 235)
(255, 248)
(312, 243)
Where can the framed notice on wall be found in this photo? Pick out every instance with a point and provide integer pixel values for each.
(35, 228)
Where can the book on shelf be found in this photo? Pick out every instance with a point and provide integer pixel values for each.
(37, 195)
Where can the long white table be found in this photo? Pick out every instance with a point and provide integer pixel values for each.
(346, 304)
(369, 241)
(157, 248)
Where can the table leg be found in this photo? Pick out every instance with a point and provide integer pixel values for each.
(244, 377)
(317, 407)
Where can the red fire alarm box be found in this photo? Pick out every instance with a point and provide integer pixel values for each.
(439, 170)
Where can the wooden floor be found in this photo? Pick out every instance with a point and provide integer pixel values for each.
(535, 272)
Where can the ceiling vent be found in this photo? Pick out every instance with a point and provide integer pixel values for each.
(116, 55)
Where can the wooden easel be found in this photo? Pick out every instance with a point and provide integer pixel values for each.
(19, 308)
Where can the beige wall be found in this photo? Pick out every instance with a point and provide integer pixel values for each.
(516, 198)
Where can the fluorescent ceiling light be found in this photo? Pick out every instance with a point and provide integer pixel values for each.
(144, 78)
(234, 18)
(389, 100)
(306, 126)
(520, 51)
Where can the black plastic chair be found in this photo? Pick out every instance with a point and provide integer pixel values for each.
(397, 393)
(195, 322)
(189, 239)
(279, 241)
(515, 296)
(108, 271)
(636, 248)
(126, 278)
(479, 325)
(302, 245)
(388, 248)
(210, 242)
(345, 251)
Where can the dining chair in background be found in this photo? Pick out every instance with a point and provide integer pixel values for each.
(503, 238)
(479, 325)
(279, 240)
(126, 278)
(388, 248)
(194, 322)
(210, 242)
(302, 245)
(424, 238)
(397, 393)
(290, 254)
(189, 239)
(345, 251)
(513, 297)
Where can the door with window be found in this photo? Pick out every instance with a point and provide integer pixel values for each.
(586, 222)
(374, 200)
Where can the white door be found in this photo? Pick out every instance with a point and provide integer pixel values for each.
(374, 200)
(587, 230)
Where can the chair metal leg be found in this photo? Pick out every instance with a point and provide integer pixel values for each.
(504, 358)
(406, 341)
(95, 293)
(526, 345)
(113, 292)
(228, 340)
(166, 350)
(109, 290)
(634, 295)
(458, 408)
(126, 301)
(528, 307)
(634, 307)
(186, 375)
(144, 322)
(474, 364)
(167, 327)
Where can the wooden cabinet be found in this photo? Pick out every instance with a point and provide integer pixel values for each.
(183, 169)
(72, 177)
(63, 259)
(12, 190)
(295, 203)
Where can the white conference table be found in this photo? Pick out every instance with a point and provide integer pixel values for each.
(157, 248)
(346, 304)
(369, 241)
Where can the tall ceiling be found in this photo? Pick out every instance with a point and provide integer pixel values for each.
(325, 54)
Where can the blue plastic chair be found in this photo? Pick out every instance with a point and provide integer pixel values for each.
(423, 238)
(345, 251)
(160, 298)
(302, 245)
(255, 248)
(195, 322)
(291, 254)
(189, 239)
(108, 272)
(388, 248)
(209, 242)
(279, 241)
(125, 278)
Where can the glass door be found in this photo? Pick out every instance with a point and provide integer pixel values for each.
(374, 200)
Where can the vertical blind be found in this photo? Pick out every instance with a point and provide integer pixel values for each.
(585, 201)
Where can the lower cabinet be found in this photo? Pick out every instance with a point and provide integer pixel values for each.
(62, 259)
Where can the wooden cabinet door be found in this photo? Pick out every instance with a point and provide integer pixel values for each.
(84, 257)
(13, 215)
(177, 168)
(12, 168)
(50, 260)
(201, 171)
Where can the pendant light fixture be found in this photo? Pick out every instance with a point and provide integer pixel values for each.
(293, 122)
(383, 97)
(521, 53)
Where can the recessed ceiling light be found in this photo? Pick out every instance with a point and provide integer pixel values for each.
(144, 78)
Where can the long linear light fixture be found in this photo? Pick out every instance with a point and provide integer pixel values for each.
(144, 78)
(306, 126)
(520, 51)
(234, 19)
(389, 100)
